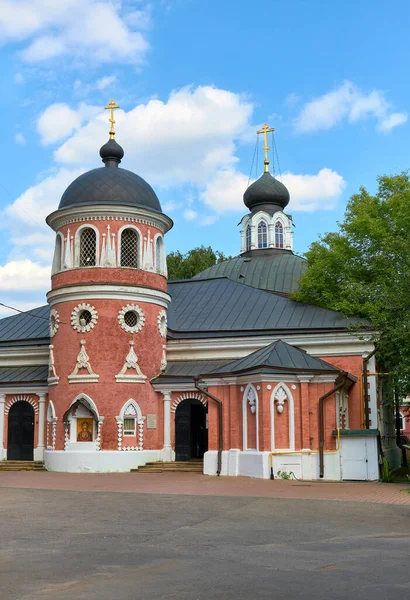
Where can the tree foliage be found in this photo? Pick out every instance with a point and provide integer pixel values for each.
(363, 270)
(185, 266)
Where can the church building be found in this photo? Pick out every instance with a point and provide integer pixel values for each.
(224, 372)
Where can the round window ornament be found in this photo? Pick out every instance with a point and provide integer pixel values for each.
(162, 323)
(131, 318)
(54, 322)
(84, 317)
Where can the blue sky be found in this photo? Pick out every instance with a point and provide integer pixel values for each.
(195, 80)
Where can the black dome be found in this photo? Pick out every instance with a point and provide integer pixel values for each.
(266, 193)
(110, 184)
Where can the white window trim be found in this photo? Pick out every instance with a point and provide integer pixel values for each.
(162, 261)
(245, 418)
(140, 242)
(59, 236)
(77, 246)
(291, 405)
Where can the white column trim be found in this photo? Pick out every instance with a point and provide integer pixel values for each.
(41, 424)
(2, 402)
(167, 450)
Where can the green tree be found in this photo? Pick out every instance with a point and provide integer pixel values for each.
(363, 270)
(185, 266)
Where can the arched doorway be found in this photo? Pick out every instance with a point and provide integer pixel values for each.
(191, 434)
(20, 438)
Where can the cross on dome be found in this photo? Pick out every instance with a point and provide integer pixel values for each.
(112, 105)
(265, 130)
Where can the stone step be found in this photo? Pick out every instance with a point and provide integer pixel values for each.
(21, 465)
(171, 467)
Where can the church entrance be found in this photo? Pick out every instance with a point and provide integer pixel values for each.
(191, 434)
(20, 439)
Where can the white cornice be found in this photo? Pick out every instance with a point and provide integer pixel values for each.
(108, 292)
(174, 387)
(24, 389)
(324, 344)
(100, 212)
(18, 356)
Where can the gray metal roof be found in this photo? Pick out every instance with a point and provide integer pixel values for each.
(272, 271)
(185, 371)
(220, 307)
(278, 356)
(23, 374)
(32, 325)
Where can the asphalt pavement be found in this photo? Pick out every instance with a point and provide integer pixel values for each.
(66, 545)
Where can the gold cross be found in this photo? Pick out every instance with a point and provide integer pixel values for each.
(111, 107)
(265, 130)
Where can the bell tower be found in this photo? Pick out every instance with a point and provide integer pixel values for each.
(108, 318)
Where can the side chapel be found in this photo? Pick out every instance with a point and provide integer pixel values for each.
(223, 371)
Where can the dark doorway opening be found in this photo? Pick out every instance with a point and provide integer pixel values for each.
(191, 434)
(20, 438)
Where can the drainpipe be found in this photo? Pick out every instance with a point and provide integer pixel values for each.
(366, 389)
(220, 431)
(322, 421)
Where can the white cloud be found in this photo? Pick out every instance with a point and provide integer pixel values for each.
(24, 275)
(59, 121)
(224, 191)
(180, 141)
(105, 82)
(18, 78)
(190, 215)
(105, 32)
(313, 192)
(347, 102)
(20, 139)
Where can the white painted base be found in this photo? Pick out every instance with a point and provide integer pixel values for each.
(304, 465)
(167, 454)
(104, 461)
(38, 454)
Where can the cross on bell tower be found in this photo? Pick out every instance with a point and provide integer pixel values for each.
(265, 130)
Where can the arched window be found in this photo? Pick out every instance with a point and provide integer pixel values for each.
(88, 248)
(262, 235)
(57, 254)
(248, 237)
(159, 244)
(129, 248)
(278, 235)
(402, 421)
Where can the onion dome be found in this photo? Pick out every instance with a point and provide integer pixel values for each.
(110, 184)
(266, 193)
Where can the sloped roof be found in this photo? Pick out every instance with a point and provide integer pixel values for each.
(218, 307)
(23, 374)
(277, 357)
(269, 270)
(185, 371)
(27, 326)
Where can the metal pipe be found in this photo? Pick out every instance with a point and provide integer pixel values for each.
(322, 421)
(366, 389)
(220, 422)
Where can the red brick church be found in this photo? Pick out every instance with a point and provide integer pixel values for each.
(122, 368)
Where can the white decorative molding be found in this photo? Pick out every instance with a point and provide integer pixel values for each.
(280, 394)
(130, 409)
(162, 323)
(78, 323)
(20, 398)
(254, 219)
(52, 375)
(269, 387)
(102, 212)
(83, 363)
(250, 398)
(132, 308)
(164, 358)
(188, 396)
(140, 237)
(68, 261)
(148, 262)
(108, 253)
(77, 245)
(131, 362)
(98, 438)
(293, 386)
(51, 423)
(54, 322)
(108, 292)
(66, 436)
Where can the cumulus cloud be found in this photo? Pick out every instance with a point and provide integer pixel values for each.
(59, 121)
(347, 103)
(23, 275)
(105, 32)
(182, 140)
(224, 191)
(190, 215)
(20, 139)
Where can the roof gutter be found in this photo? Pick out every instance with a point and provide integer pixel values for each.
(322, 399)
(220, 422)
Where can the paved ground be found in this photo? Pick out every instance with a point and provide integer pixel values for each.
(65, 545)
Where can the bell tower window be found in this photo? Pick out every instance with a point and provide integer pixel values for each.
(248, 237)
(88, 248)
(129, 248)
(262, 235)
(279, 235)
